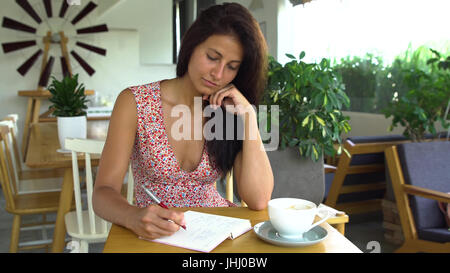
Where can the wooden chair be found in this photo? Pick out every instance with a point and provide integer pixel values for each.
(29, 181)
(229, 191)
(420, 178)
(359, 183)
(83, 224)
(20, 204)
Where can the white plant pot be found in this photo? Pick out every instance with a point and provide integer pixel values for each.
(73, 127)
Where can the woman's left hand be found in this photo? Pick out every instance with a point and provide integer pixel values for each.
(231, 98)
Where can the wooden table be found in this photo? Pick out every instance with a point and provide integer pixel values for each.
(123, 240)
(42, 154)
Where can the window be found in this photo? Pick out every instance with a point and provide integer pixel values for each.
(365, 37)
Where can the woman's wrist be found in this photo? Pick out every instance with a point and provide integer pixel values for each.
(130, 214)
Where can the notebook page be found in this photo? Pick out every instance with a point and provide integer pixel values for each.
(205, 231)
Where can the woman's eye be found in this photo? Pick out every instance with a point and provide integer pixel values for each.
(211, 58)
(232, 68)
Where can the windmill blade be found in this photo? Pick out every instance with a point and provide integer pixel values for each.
(92, 48)
(13, 24)
(48, 8)
(8, 47)
(94, 29)
(83, 63)
(29, 9)
(84, 12)
(43, 80)
(64, 67)
(23, 69)
(62, 11)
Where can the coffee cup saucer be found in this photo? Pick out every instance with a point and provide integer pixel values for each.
(267, 232)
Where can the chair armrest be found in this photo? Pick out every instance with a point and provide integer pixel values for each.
(427, 193)
(329, 168)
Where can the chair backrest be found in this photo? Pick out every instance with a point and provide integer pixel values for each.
(7, 176)
(88, 147)
(368, 151)
(359, 183)
(231, 190)
(426, 165)
(13, 149)
(14, 118)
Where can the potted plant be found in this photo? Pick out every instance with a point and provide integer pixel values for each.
(69, 105)
(426, 101)
(310, 97)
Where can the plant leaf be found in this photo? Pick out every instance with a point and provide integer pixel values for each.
(290, 56)
(319, 120)
(302, 55)
(305, 121)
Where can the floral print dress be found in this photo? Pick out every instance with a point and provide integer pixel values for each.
(154, 164)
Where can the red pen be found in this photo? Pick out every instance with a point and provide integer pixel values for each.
(161, 204)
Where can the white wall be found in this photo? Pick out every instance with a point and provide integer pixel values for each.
(366, 124)
(153, 21)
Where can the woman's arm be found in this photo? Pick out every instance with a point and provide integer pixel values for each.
(252, 170)
(107, 200)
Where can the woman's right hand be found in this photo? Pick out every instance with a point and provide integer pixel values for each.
(154, 221)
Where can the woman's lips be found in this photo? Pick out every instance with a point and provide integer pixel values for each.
(208, 83)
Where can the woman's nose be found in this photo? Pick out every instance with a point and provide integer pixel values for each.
(217, 71)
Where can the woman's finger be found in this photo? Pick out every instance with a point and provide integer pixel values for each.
(214, 97)
(156, 220)
(223, 95)
(153, 231)
(176, 217)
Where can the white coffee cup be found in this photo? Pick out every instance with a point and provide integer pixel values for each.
(292, 217)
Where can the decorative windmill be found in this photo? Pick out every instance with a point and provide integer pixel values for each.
(52, 37)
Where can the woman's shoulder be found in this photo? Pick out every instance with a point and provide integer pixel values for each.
(125, 101)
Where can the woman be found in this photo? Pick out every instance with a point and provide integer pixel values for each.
(223, 61)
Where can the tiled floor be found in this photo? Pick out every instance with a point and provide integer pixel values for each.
(365, 231)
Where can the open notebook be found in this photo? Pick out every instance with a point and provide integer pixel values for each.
(205, 231)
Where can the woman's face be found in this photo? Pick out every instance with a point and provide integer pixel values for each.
(215, 63)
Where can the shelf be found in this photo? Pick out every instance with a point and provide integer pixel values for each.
(44, 93)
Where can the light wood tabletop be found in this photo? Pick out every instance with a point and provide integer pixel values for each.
(122, 240)
(42, 153)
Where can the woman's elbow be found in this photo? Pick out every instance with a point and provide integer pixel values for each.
(260, 204)
(257, 206)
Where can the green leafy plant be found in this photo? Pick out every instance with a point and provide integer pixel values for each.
(359, 75)
(425, 101)
(310, 98)
(68, 98)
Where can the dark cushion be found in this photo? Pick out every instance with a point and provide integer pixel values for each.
(370, 139)
(426, 165)
(441, 235)
(388, 138)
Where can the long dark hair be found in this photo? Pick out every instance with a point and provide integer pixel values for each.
(230, 19)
